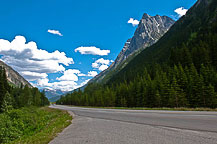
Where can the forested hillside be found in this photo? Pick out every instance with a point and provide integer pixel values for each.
(148, 32)
(180, 70)
(17, 97)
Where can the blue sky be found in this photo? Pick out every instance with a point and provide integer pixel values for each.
(93, 24)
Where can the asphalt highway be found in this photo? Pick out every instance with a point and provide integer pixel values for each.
(115, 126)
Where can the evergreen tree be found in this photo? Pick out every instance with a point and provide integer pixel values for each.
(212, 95)
(26, 97)
(186, 59)
(2, 87)
(5, 81)
(37, 98)
(7, 103)
(158, 99)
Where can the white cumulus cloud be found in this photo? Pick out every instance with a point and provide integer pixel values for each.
(63, 85)
(92, 50)
(181, 11)
(66, 82)
(101, 64)
(32, 76)
(103, 61)
(95, 65)
(56, 32)
(133, 21)
(92, 73)
(69, 75)
(30, 61)
(103, 67)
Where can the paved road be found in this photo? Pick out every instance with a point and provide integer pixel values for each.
(112, 126)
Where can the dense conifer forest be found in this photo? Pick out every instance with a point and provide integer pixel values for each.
(12, 97)
(180, 70)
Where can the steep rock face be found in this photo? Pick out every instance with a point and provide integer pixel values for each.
(14, 77)
(198, 22)
(123, 54)
(149, 31)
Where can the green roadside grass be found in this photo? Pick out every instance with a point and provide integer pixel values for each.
(142, 108)
(32, 125)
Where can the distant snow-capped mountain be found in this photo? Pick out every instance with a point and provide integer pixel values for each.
(53, 95)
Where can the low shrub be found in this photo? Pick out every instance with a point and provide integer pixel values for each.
(18, 125)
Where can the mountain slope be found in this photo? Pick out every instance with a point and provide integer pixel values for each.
(200, 18)
(149, 31)
(14, 77)
(180, 70)
(53, 95)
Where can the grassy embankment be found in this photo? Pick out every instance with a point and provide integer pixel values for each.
(32, 125)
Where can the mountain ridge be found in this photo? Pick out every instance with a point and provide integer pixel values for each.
(149, 31)
(53, 95)
(186, 27)
(14, 77)
(180, 70)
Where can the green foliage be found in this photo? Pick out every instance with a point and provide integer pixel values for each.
(180, 70)
(31, 125)
(2, 87)
(7, 103)
(168, 87)
(14, 97)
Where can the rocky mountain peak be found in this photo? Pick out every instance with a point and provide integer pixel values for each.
(145, 16)
(148, 32)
